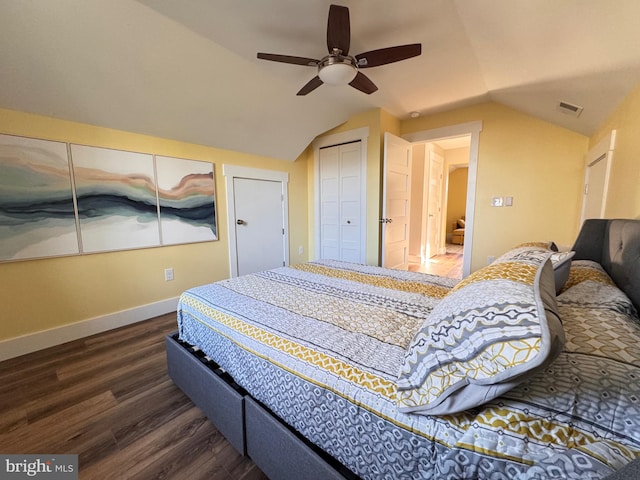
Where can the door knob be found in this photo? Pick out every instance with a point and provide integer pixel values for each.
(241, 222)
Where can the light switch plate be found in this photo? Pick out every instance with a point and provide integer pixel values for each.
(508, 201)
(496, 202)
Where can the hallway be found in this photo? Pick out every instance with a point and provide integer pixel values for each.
(448, 265)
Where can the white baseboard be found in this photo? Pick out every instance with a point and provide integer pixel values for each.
(14, 347)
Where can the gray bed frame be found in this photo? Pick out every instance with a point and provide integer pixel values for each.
(281, 453)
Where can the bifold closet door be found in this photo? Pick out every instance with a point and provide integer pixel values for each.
(341, 206)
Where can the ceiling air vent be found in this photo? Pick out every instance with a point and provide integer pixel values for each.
(570, 109)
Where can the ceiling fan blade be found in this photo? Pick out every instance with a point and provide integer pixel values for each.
(311, 62)
(338, 29)
(383, 56)
(363, 83)
(311, 85)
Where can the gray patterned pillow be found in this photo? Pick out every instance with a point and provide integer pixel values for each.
(493, 330)
(561, 261)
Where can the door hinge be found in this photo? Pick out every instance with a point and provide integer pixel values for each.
(283, 231)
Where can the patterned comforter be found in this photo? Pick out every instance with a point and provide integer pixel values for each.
(321, 345)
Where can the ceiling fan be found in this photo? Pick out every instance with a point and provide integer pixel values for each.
(340, 68)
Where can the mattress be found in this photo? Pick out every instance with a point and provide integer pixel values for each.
(321, 344)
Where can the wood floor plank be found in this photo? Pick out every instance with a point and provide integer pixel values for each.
(145, 414)
(108, 398)
(11, 419)
(79, 388)
(182, 457)
(120, 355)
(92, 445)
(150, 450)
(51, 431)
(141, 379)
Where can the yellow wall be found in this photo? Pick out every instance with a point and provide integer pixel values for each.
(457, 197)
(41, 294)
(538, 164)
(457, 187)
(624, 190)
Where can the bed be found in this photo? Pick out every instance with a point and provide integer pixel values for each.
(337, 370)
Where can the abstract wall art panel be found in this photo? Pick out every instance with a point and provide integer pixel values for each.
(186, 192)
(37, 217)
(116, 198)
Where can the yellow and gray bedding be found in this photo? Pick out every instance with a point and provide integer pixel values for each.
(323, 346)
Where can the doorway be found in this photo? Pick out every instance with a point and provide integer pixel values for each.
(596, 179)
(439, 191)
(446, 137)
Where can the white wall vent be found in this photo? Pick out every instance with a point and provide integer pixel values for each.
(570, 109)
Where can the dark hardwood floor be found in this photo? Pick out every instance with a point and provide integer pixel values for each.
(108, 398)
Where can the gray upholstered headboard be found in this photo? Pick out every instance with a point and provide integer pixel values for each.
(615, 244)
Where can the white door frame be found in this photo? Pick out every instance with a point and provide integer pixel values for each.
(469, 128)
(358, 134)
(232, 171)
(604, 148)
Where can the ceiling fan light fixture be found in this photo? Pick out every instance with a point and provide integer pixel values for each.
(337, 71)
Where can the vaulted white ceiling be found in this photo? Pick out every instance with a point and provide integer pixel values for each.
(187, 70)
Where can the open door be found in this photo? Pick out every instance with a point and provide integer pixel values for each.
(396, 196)
(434, 205)
(596, 178)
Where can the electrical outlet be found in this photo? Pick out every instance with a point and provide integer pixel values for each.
(490, 259)
(168, 274)
(300, 250)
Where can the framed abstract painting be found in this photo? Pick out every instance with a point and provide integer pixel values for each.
(37, 217)
(116, 199)
(66, 199)
(186, 194)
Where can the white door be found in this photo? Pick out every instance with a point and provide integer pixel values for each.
(596, 178)
(341, 208)
(396, 200)
(259, 227)
(434, 204)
